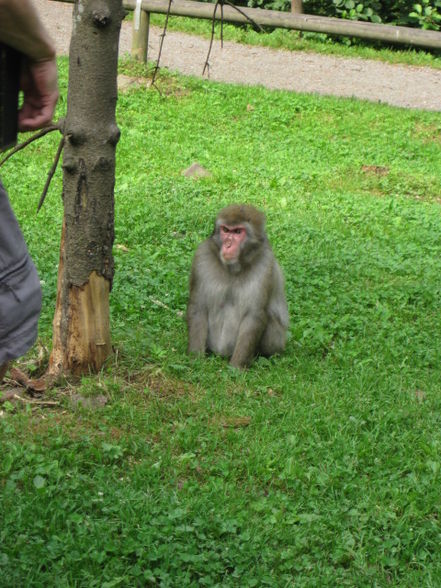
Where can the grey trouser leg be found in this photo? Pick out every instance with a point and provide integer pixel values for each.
(20, 291)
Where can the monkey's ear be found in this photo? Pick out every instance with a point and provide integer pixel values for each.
(217, 223)
(256, 218)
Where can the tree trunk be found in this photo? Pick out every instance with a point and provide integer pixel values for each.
(297, 6)
(81, 327)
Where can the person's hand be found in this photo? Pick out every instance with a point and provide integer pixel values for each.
(40, 89)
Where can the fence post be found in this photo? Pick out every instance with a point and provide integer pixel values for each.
(140, 34)
(297, 6)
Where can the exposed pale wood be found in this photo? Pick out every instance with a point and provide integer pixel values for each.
(81, 324)
(83, 337)
(88, 340)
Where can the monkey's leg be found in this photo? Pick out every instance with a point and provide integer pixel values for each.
(250, 333)
(273, 338)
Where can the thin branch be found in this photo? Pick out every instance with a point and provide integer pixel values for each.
(36, 402)
(12, 395)
(251, 21)
(213, 23)
(51, 173)
(21, 146)
(222, 25)
(164, 32)
(163, 305)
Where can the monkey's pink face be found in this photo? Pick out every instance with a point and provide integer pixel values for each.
(231, 237)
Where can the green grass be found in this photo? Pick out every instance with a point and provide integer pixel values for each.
(318, 468)
(296, 41)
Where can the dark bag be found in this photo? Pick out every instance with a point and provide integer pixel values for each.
(10, 62)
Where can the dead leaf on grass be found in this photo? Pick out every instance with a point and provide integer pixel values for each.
(39, 385)
(122, 247)
(430, 133)
(196, 170)
(378, 170)
(235, 422)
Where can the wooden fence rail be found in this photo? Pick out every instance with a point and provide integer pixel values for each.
(301, 22)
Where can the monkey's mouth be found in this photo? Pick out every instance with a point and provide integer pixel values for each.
(228, 256)
(229, 252)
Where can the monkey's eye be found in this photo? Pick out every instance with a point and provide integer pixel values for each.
(238, 231)
(225, 229)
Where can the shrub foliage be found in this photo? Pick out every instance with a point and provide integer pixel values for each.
(425, 14)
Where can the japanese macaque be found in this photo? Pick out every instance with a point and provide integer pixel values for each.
(237, 306)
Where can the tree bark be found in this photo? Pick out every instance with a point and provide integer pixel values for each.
(81, 327)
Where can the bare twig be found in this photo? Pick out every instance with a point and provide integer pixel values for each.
(164, 32)
(222, 25)
(163, 305)
(213, 23)
(21, 146)
(51, 173)
(249, 19)
(36, 402)
(12, 395)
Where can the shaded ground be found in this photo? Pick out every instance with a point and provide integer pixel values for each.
(399, 85)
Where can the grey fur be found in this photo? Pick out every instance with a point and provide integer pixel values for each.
(238, 309)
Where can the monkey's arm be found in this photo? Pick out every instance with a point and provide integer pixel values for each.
(197, 315)
(197, 322)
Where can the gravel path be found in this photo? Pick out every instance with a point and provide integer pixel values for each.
(399, 85)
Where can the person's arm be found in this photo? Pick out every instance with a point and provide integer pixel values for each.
(21, 28)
